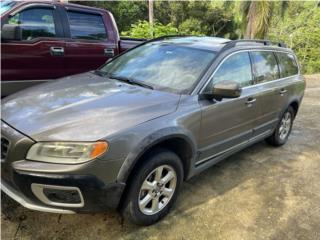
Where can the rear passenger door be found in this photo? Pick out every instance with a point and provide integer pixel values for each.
(88, 45)
(270, 92)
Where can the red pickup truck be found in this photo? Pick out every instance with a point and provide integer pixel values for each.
(44, 40)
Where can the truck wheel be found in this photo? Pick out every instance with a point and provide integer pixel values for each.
(283, 129)
(154, 188)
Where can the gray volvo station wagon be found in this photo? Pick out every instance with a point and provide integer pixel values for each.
(128, 134)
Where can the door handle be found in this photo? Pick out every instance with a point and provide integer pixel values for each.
(109, 52)
(57, 51)
(250, 101)
(283, 91)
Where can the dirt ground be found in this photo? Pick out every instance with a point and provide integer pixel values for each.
(259, 193)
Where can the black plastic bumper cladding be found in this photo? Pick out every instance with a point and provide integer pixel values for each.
(97, 196)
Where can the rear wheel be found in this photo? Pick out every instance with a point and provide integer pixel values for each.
(154, 188)
(283, 130)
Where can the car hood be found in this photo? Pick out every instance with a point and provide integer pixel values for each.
(83, 107)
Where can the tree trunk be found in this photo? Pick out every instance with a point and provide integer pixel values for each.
(249, 34)
(151, 16)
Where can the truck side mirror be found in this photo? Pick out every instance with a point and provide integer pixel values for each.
(11, 32)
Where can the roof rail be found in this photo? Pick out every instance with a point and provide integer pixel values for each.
(233, 43)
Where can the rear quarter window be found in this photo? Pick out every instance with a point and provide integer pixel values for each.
(86, 26)
(288, 64)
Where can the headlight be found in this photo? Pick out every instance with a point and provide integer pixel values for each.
(66, 152)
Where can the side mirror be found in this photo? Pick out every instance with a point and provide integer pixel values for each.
(11, 32)
(226, 89)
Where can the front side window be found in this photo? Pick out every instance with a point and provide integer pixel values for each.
(35, 22)
(265, 66)
(86, 26)
(236, 68)
(288, 64)
(162, 65)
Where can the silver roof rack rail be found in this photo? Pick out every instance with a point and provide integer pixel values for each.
(233, 43)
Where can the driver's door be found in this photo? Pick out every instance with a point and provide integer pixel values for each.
(34, 57)
(228, 123)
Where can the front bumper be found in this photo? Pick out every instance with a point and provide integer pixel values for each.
(55, 187)
(96, 196)
(18, 197)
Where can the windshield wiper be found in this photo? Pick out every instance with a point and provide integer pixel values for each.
(99, 73)
(129, 80)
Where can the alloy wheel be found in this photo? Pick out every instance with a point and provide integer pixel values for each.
(285, 126)
(157, 190)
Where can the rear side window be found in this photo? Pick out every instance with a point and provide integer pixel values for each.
(288, 64)
(236, 68)
(35, 22)
(265, 66)
(86, 26)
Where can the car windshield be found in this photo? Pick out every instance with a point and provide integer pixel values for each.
(161, 65)
(6, 6)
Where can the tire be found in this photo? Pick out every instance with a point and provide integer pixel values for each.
(281, 133)
(145, 185)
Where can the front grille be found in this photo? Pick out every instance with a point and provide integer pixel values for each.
(4, 148)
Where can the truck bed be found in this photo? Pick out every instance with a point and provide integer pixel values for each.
(126, 43)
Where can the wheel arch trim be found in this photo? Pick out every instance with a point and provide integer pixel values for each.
(153, 140)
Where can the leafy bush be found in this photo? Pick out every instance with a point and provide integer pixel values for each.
(142, 29)
(300, 30)
(191, 26)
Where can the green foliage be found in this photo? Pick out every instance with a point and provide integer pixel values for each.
(191, 26)
(142, 29)
(300, 30)
(198, 17)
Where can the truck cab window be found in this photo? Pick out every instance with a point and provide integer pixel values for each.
(35, 22)
(86, 26)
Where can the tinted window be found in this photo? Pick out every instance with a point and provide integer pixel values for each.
(236, 68)
(163, 65)
(35, 22)
(86, 26)
(288, 64)
(265, 66)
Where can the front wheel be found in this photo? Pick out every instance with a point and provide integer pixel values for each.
(283, 129)
(154, 188)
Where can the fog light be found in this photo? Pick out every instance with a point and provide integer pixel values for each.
(62, 196)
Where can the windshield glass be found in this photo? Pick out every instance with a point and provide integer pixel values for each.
(6, 6)
(162, 66)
